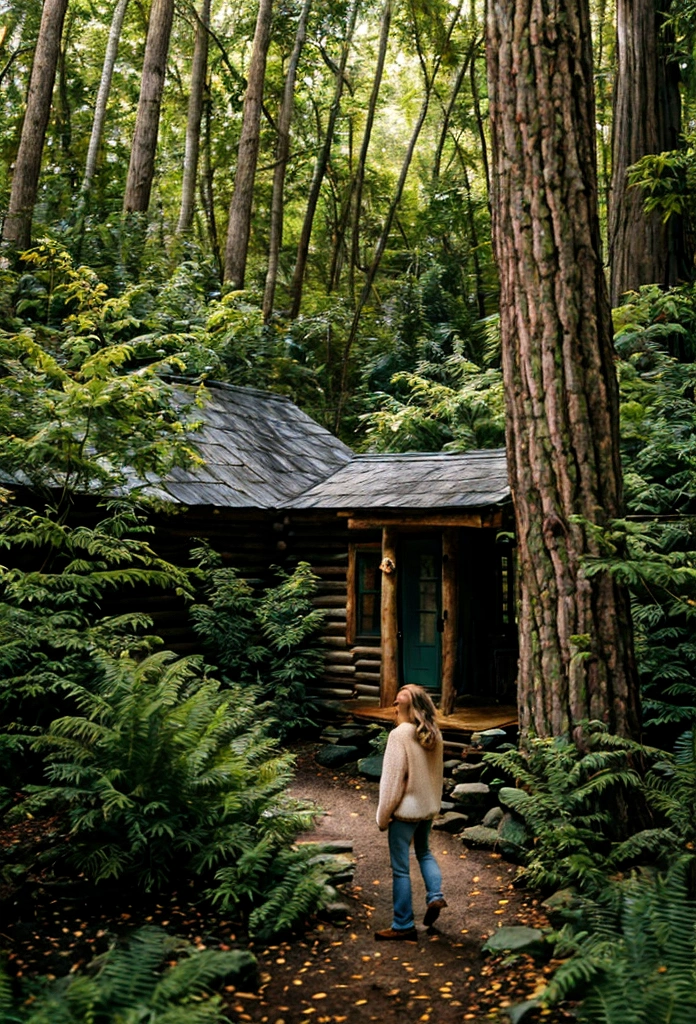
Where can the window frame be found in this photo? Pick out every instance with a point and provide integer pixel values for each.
(354, 593)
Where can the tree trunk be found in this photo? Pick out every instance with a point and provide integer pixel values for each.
(195, 115)
(367, 135)
(576, 652)
(389, 219)
(282, 155)
(25, 179)
(239, 225)
(647, 119)
(320, 168)
(103, 94)
(142, 162)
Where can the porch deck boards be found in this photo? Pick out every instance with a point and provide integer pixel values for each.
(463, 720)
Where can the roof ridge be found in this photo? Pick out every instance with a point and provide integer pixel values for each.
(429, 455)
(224, 386)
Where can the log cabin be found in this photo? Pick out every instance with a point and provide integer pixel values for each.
(414, 552)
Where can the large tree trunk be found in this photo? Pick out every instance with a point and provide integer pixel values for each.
(103, 94)
(195, 115)
(576, 654)
(239, 225)
(647, 119)
(297, 282)
(25, 179)
(142, 162)
(282, 155)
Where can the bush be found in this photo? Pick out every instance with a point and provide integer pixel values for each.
(127, 984)
(270, 638)
(166, 773)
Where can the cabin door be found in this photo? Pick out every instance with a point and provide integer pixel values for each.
(420, 579)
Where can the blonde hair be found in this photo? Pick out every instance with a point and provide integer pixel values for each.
(423, 714)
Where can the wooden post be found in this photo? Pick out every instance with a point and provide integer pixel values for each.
(450, 615)
(389, 678)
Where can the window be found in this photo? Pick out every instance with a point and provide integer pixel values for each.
(368, 593)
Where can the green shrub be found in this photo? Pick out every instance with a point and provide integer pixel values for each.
(165, 772)
(637, 965)
(129, 984)
(271, 637)
(573, 803)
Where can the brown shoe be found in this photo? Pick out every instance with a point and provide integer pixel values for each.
(397, 935)
(432, 911)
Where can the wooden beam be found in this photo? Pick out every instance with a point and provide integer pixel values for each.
(350, 602)
(389, 674)
(450, 615)
(492, 520)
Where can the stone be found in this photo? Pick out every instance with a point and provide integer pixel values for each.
(493, 817)
(445, 806)
(491, 739)
(467, 771)
(449, 766)
(450, 822)
(353, 736)
(516, 939)
(335, 755)
(564, 907)
(477, 835)
(471, 797)
(371, 766)
(337, 846)
(509, 797)
(336, 911)
(513, 836)
(448, 785)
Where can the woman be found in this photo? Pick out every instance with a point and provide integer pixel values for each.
(410, 792)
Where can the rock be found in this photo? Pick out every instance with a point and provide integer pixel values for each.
(336, 755)
(471, 797)
(336, 911)
(449, 766)
(509, 797)
(491, 739)
(330, 710)
(450, 822)
(477, 835)
(493, 817)
(371, 766)
(337, 846)
(519, 1011)
(513, 836)
(353, 736)
(516, 939)
(448, 785)
(564, 907)
(467, 771)
(445, 806)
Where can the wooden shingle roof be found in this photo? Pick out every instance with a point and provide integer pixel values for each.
(260, 450)
(416, 480)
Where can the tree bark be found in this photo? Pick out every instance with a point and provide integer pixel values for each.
(25, 179)
(367, 135)
(576, 652)
(103, 94)
(297, 282)
(141, 169)
(647, 119)
(239, 225)
(193, 122)
(282, 155)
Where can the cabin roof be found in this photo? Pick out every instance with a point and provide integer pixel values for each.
(415, 480)
(260, 450)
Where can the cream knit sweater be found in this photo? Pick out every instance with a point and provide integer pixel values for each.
(411, 785)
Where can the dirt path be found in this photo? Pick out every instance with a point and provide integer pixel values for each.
(338, 973)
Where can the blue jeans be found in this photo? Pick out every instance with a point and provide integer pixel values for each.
(400, 835)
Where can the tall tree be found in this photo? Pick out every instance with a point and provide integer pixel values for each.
(576, 653)
(239, 224)
(647, 119)
(25, 179)
(195, 116)
(320, 166)
(103, 94)
(141, 169)
(282, 156)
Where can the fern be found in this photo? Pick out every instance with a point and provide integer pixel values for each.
(129, 984)
(638, 964)
(165, 772)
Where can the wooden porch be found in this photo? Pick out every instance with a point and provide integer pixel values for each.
(463, 721)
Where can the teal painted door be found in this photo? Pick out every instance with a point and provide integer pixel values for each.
(421, 561)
